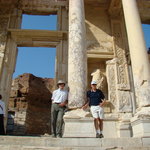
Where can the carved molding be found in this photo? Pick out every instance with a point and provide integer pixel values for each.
(28, 4)
(41, 7)
(115, 8)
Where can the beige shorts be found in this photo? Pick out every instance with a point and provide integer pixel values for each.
(97, 112)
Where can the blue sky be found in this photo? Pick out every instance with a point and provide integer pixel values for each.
(41, 61)
(146, 30)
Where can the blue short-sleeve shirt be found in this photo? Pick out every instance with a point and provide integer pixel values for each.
(95, 98)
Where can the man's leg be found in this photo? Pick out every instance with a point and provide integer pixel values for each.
(60, 121)
(101, 116)
(96, 124)
(2, 131)
(101, 124)
(54, 118)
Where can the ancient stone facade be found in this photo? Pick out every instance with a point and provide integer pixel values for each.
(30, 106)
(91, 35)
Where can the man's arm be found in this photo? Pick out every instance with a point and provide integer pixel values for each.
(53, 95)
(64, 103)
(86, 104)
(103, 103)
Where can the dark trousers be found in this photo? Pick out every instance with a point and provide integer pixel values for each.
(57, 118)
(2, 131)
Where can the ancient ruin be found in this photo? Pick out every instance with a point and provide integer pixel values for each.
(30, 106)
(90, 35)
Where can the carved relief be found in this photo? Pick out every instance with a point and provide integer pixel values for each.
(124, 98)
(3, 34)
(117, 74)
(111, 80)
(122, 69)
(6, 10)
(4, 23)
(2, 39)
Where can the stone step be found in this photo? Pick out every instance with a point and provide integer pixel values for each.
(20, 147)
(41, 143)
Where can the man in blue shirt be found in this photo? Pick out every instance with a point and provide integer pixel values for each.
(96, 101)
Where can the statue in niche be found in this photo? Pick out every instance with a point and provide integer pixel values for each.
(100, 78)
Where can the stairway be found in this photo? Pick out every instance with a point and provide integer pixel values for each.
(49, 143)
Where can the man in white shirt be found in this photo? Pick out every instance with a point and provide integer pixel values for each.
(59, 102)
(2, 114)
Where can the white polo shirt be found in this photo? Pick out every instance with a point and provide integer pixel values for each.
(2, 107)
(59, 96)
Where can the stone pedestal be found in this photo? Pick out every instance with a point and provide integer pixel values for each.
(79, 126)
(141, 123)
(140, 127)
(124, 129)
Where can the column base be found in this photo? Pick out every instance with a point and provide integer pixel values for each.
(78, 123)
(79, 127)
(124, 129)
(141, 123)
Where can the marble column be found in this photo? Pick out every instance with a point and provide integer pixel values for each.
(140, 67)
(139, 57)
(77, 59)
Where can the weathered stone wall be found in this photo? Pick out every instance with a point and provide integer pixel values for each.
(30, 105)
(98, 29)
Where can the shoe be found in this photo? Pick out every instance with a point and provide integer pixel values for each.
(59, 136)
(101, 136)
(54, 136)
(97, 135)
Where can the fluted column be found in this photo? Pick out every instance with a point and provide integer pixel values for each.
(77, 59)
(139, 57)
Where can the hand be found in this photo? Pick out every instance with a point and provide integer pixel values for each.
(84, 107)
(101, 104)
(62, 104)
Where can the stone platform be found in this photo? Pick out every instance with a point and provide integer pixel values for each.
(49, 143)
(84, 127)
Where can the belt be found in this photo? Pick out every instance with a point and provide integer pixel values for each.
(56, 103)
